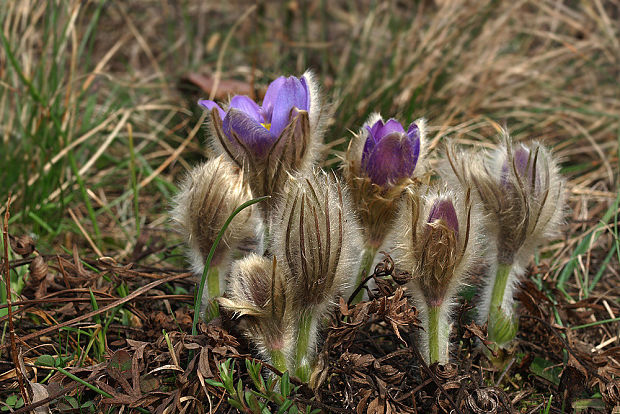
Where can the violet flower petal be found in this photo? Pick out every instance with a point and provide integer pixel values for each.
(391, 159)
(373, 131)
(369, 145)
(520, 157)
(304, 82)
(271, 95)
(413, 133)
(390, 126)
(250, 132)
(443, 209)
(292, 94)
(209, 104)
(245, 104)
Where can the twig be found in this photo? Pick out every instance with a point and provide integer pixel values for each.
(106, 308)
(7, 284)
(358, 288)
(30, 407)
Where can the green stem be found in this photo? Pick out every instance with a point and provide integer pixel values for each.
(278, 360)
(501, 328)
(302, 363)
(499, 286)
(433, 334)
(367, 259)
(213, 282)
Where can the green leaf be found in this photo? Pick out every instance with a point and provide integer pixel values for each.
(214, 383)
(285, 384)
(235, 404)
(546, 369)
(46, 361)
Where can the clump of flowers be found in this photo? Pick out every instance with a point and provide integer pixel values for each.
(381, 161)
(437, 237)
(283, 292)
(313, 258)
(270, 141)
(521, 191)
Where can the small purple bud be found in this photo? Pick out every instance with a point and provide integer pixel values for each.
(443, 209)
(524, 166)
(389, 153)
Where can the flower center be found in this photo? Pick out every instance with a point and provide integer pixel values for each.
(266, 126)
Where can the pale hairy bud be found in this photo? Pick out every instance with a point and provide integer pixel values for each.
(436, 236)
(522, 192)
(282, 137)
(207, 196)
(380, 162)
(317, 239)
(257, 293)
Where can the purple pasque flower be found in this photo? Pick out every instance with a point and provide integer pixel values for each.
(258, 127)
(390, 154)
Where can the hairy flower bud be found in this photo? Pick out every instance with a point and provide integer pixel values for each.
(207, 196)
(436, 235)
(522, 192)
(382, 159)
(257, 293)
(270, 141)
(523, 195)
(317, 242)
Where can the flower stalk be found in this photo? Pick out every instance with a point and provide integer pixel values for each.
(307, 328)
(433, 333)
(278, 360)
(213, 282)
(368, 259)
(521, 191)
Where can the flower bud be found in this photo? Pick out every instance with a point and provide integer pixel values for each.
(521, 190)
(436, 235)
(257, 293)
(270, 141)
(382, 159)
(317, 240)
(523, 196)
(207, 197)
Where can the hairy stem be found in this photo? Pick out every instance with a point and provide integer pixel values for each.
(302, 360)
(367, 259)
(213, 282)
(278, 360)
(433, 334)
(499, 328)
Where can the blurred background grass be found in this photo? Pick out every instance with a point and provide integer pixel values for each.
(98, 116)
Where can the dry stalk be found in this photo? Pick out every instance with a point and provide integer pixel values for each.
(7, 283)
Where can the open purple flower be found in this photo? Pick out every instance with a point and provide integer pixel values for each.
(269, 142)
(390, 154)
(258, 127)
